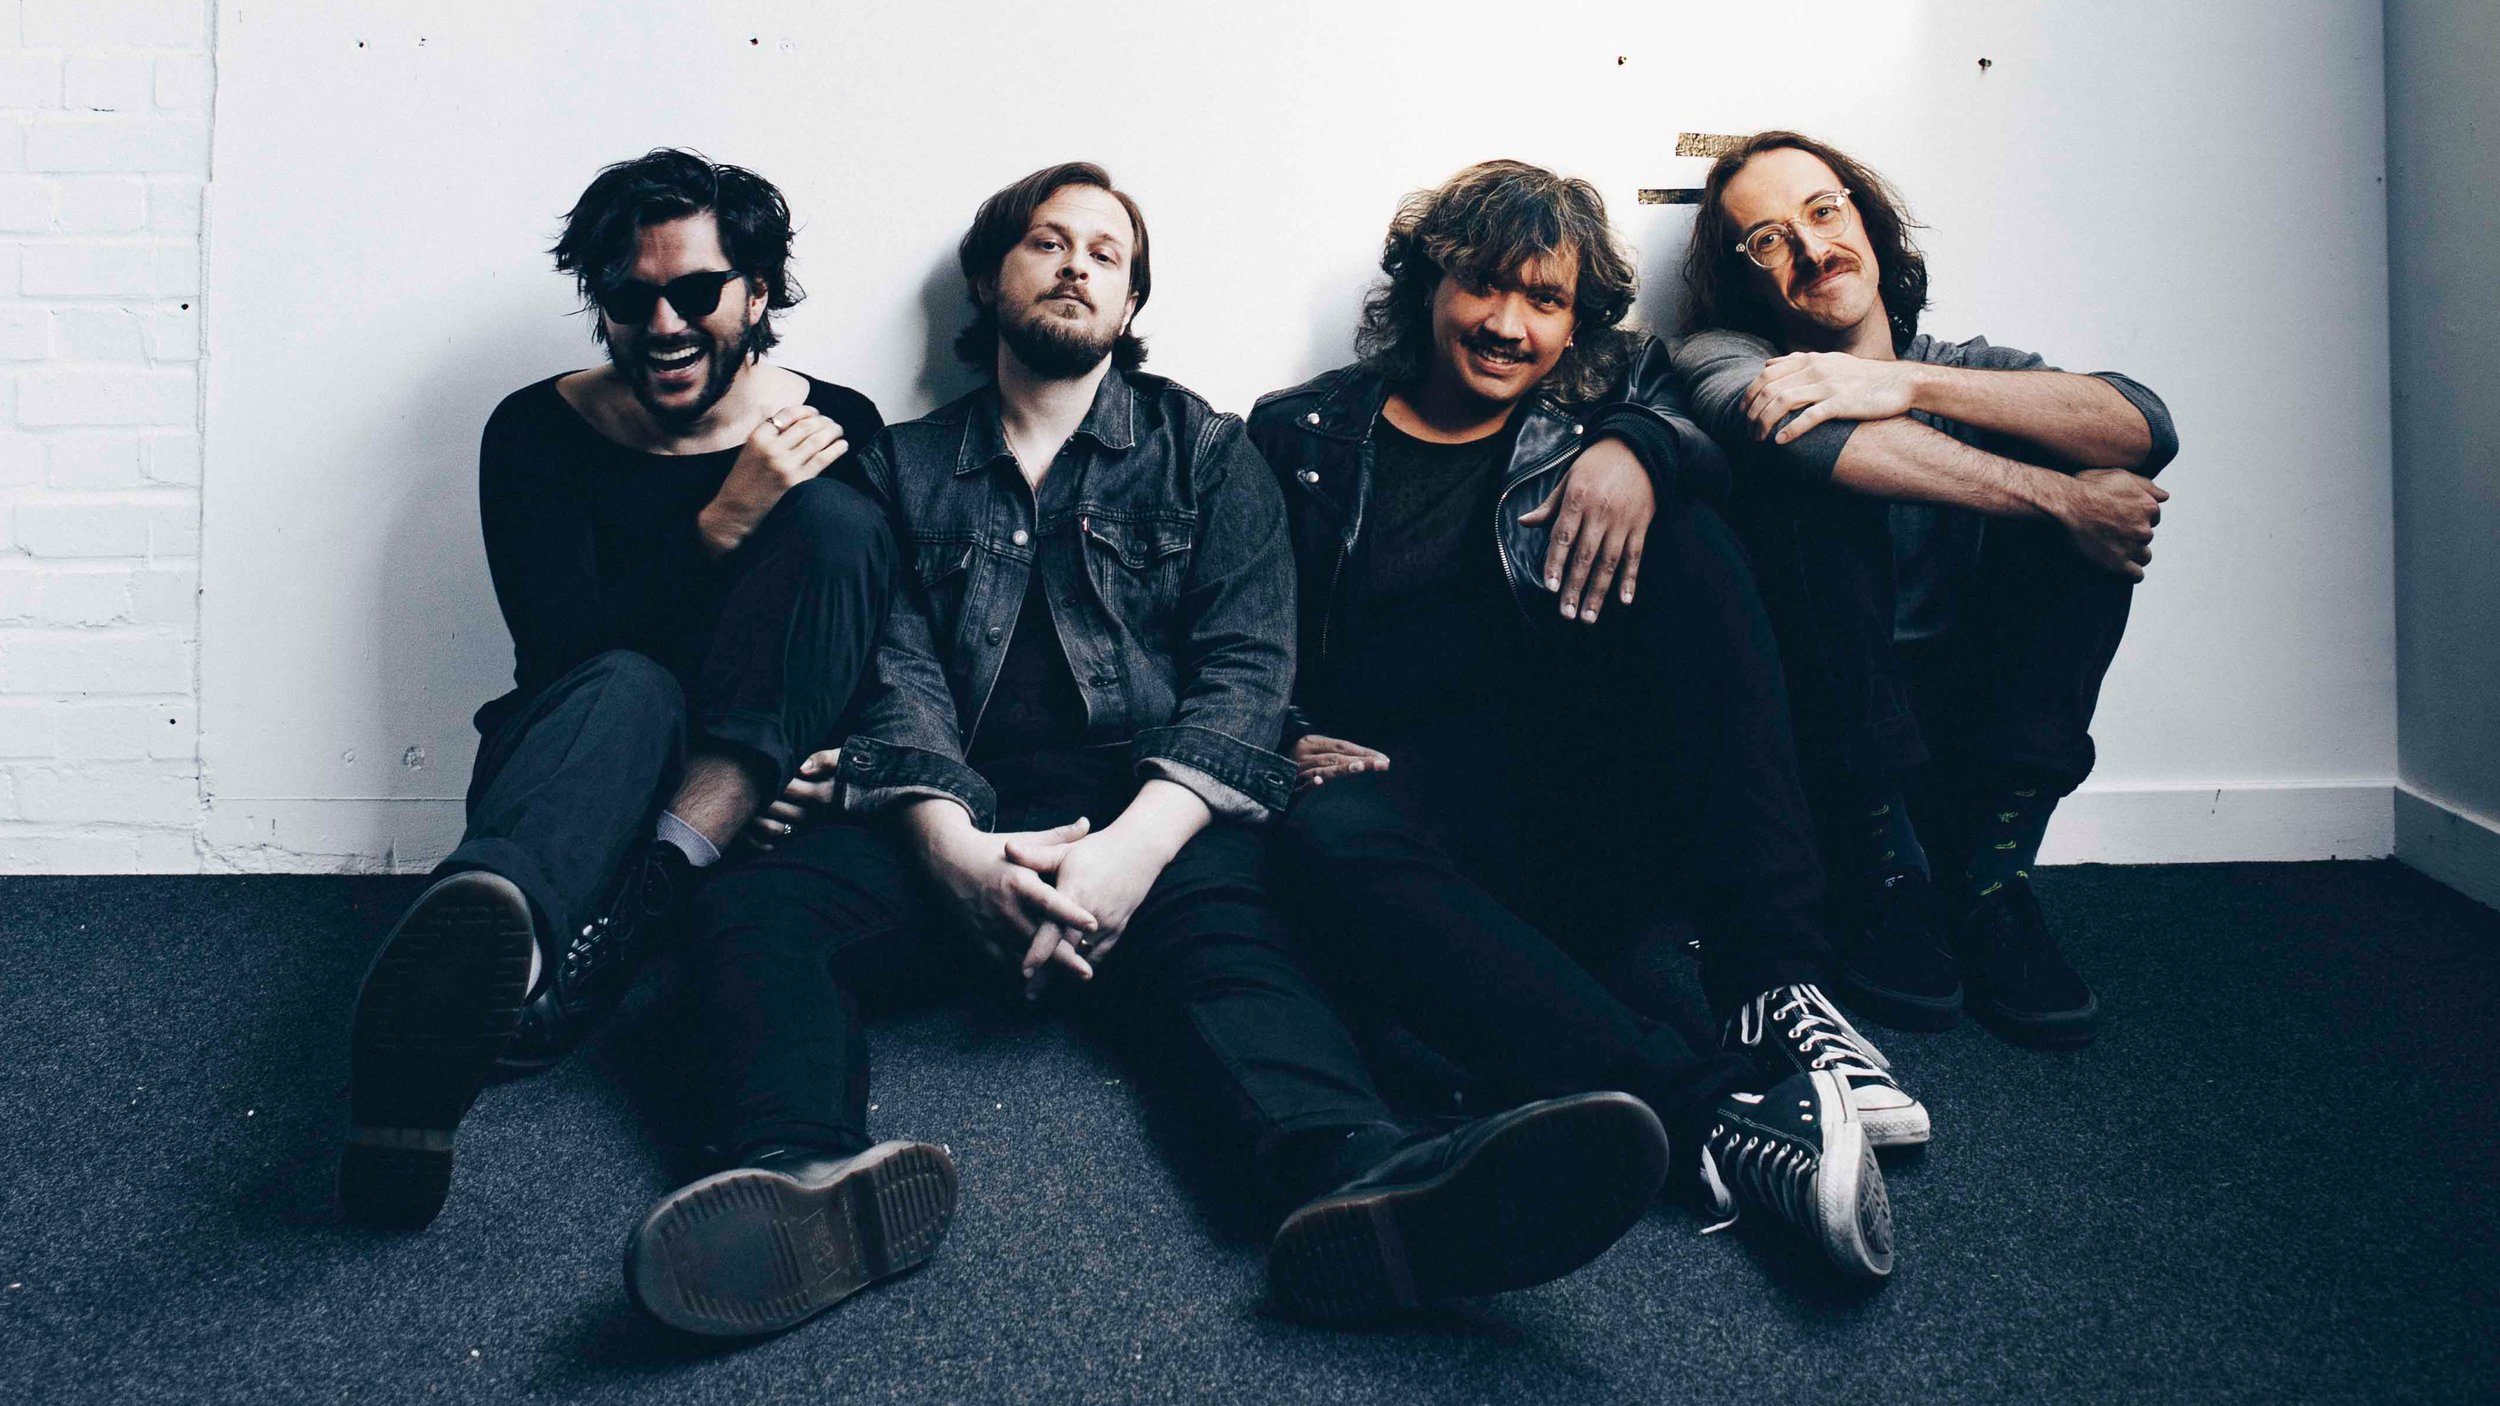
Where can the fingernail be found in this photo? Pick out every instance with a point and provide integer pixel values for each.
(1553, 583)
(1589, 615)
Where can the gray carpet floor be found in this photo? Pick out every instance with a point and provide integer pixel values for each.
(2271, 1180)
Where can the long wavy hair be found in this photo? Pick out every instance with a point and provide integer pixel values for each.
(1728, 291)
(603, 230)
(1484, 222)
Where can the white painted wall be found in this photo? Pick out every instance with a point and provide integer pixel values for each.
(103, 153)
(2443, 145)
(2187, 192)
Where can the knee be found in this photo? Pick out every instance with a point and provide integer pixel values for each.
(1333, 825)
(840, 530)
(636, 685)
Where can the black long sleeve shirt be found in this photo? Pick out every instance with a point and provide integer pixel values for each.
(593, 545)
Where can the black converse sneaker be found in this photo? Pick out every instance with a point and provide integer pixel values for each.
(599, 963)
(1504, 1202)
(1793, 1030)
(1799, 1153)
(439, 1003)
(762, 1247)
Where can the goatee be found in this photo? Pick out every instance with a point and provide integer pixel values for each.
(1055, 348)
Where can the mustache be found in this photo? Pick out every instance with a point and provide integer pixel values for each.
(1478, 341)
(1068, 290)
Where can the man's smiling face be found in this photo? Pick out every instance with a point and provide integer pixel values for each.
(1829, 288)
(1496, 337)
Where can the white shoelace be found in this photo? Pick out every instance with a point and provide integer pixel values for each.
(1819, 1032)
(1776, 1172)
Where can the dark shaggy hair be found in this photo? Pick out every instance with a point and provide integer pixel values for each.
(1484, 222)
(603, 229)
(1000, 225)
(1727, 290)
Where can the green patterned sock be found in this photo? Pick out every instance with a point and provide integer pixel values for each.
(1892, 845)
(2014, 818)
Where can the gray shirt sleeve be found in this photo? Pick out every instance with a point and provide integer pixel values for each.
(1716, 368)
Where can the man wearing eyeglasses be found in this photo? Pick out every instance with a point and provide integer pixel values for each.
(690, 602)
(1947, 536)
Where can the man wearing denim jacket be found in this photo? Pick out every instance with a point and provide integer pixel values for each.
(1096, 626)
(1539, 706)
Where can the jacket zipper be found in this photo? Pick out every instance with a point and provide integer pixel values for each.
(1500, 549)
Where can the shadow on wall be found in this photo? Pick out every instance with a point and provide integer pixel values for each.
(945, 310)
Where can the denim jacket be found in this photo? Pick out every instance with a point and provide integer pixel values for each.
(1174, 605)
(1318, 438)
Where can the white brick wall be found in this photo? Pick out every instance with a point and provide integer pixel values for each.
(104, 121)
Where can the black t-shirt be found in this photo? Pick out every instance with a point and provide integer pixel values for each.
(1427, 604)
(593, 545)
(1034, 706)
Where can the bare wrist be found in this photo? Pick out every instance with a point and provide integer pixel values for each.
(719, 535)
(2048, 492)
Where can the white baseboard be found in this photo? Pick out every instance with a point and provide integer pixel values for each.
(2222, 824)
(299, 835)
(2123, 825)
(2449, 843)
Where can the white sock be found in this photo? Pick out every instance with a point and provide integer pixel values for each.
(699, 851)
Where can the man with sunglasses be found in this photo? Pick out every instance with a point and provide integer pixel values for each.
(690, 602)
(1948, 536)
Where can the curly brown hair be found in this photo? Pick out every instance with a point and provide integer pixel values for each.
(1484, 222)
(1726, 289)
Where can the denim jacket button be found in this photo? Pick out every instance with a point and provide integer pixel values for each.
(1310, 475)
(1020, 537)
(995, 634)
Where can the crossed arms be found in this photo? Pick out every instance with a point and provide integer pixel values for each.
(1849, 419)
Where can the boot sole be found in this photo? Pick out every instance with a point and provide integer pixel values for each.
(1535, 1201)
(749, 1251)
(440, 1001)
(2040, 1030)
(1853, 1211)
(1900, 1010)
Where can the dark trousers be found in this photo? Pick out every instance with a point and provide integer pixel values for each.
(1475, 889)
(788, 943)
(2009, 689)
(572, 781)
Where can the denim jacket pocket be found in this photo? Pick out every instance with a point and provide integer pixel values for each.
(943, 565)
(1137, 565)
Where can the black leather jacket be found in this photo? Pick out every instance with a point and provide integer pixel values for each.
(1318, 438)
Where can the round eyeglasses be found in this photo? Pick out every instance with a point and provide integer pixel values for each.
(1772, 244)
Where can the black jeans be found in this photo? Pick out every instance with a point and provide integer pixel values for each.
(566, 787)
(1477, 887)
(2009, 689)
(788, 943)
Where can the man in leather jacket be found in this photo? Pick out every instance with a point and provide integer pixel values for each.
(1539, 704)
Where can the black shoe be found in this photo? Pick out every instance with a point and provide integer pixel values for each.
(601, 961)
(1799, 1153)
(1791, 1030)
(439, 1003)
(1895, 969)
(1504, 1202)
(2022, 987)
(763, 1247)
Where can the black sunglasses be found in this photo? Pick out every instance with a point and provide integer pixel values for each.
(694, 296)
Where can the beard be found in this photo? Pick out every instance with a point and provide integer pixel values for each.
(720, 361)
(1053, 347)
